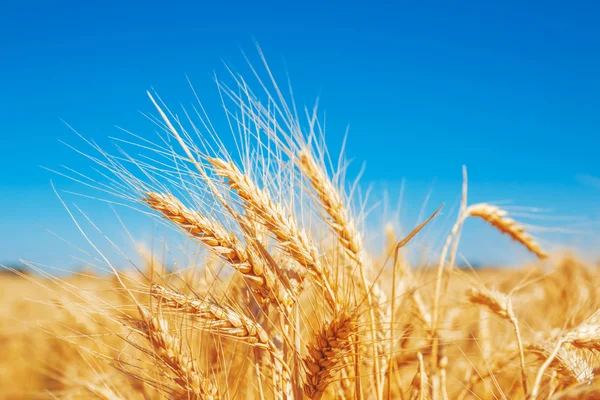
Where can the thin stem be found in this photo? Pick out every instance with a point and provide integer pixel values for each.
(543, 368)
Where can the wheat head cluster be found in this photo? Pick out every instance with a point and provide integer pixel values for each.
(283, 297)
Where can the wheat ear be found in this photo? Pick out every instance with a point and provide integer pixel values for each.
(501, 305)
(420, 384)
(584, 336)
(499, 219)
(225, 321)
(351, 242)
(225, 245)
(272, 216)
(332, 203)
(566, 361)
(330, 345)
(171, 351)
(215, 317)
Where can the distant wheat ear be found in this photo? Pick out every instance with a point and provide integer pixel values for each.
(499, 219)
(419, 310)
(495, 301)
(169, 349)
(329, 347)
(501, 305)
(224, 244)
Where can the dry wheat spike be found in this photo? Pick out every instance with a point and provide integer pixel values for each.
(169, 349)
(290, 236)
(224, 244)
(569, 364)
(330, 345)
(499, 219)
(501, 305)
(215, 317)
(585, 336)
(351, 242)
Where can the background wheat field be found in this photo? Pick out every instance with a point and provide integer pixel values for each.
(56, 346)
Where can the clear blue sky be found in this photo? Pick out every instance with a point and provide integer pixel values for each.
(511, 89)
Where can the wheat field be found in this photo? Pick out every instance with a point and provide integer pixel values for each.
(285, 298)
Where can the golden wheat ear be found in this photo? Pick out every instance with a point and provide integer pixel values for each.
(337, 216)
(222, 320)
(329, 347)
(331, 200)
(570, 365)
(225, 245)
(215, 317)
(499, 219)
(500, 304)
(169, 349)
(293, 239)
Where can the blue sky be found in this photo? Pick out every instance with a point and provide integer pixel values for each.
(507, 88)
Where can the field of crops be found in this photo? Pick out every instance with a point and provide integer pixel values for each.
(284, 299)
